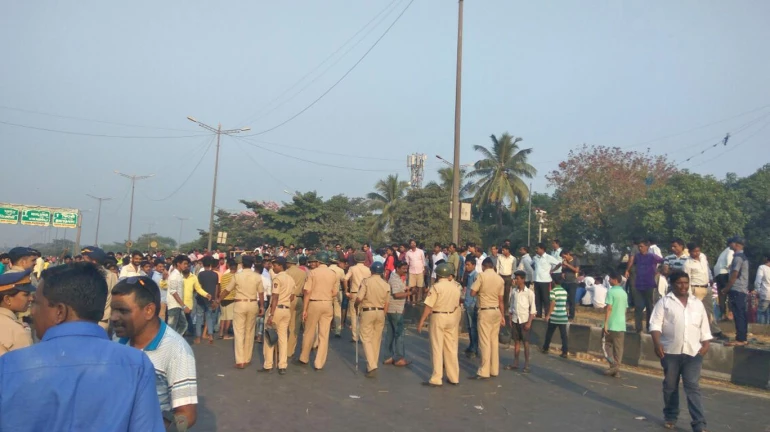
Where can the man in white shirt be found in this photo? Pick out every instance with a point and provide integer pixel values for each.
(598, 301)
(176, 308)
(522, 311)
(133, 268)
(722, 274)
(680, 332)
(437, 256)
(543, 265)
(762, 286)
(654, 248)
(697, 268)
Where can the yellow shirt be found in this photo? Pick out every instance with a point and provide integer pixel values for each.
(224, 281)
(191, 283)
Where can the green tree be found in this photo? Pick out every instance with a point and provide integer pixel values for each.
(498, 176)
(595, 188)
(754, 197)
(423, 215)
(388, 192)
(57, 247)
(446, 176)
(691, 207)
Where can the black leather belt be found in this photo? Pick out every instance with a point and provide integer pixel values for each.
(371, 309)
(490, 308)
(282, 307)
(320, 300)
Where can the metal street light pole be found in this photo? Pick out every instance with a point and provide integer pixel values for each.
(181, 224)
(133, 178)
(219, 133)
(98, 216)
(458, 94)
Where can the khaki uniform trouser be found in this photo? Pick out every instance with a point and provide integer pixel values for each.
(354, 312)
(372, 324)
(705, 295)
(489, 331)
(317, 324)
(244, 326)
(295, 323)
(444, 340)
(281, 325)
(337, 305)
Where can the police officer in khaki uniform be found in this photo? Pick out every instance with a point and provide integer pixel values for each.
(373, 299)
(334, 265)
(15, 289)
(443, 306)
(321, 288)
(249, 303)
(489, 288)
(279, 317)
(295, 323)
(352, 282)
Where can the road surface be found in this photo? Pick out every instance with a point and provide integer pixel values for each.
(558, 394)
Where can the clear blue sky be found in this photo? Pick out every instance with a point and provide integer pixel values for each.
(558, 74)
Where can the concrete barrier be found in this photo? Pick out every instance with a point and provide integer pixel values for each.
(751, 367)
(632, 348)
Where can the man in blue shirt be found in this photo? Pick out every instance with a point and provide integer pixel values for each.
(471, 312)
(76, 379)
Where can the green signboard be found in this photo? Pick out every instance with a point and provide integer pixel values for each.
(64, 219)
(37, 217)
(9, 215)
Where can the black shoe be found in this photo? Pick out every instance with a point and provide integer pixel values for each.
(371, 374)
(452, 383)
(299, 362)
(478, 377)
(263, 370)
(316, 369)
(337, 335)
(544, 351)
(430, 384)
(281, 371)
(563, 355)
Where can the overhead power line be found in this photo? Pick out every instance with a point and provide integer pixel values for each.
(745, 140)
(327, 152)
(302, 111)
(318, 66)
(98, 135)
(91, 120)
(189, 176)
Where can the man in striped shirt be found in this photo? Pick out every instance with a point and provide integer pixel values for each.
(557, 316)
(135, 307)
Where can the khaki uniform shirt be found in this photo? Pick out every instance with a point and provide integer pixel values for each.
(374, 292)
(323, 284)
(283, 289)
(299, 276)
(443, 296)
(247, 285)
(339, 272)
(356, 275)
(13, 335)
(490, 286)
(112, 280)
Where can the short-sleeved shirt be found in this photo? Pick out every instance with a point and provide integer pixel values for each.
(374, 292)
(397, 286)
(559, 299)
(299, 276)
(741, 265)
(208, 280)
(542, 265)
(356, 275)
(247, 285)
(646, 264)
(618, 299)
(224, 281)
(443, 296)
(339, 272)
(13, 335)
(469, 300)
(322, 284)
(283, 289)
(490, 287)
(175, 377)
(676, 262)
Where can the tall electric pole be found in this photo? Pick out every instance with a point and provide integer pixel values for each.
(458, 94)
(529, 216)
(98, 216)
(133, 178)
(181, 224)
(219, 133)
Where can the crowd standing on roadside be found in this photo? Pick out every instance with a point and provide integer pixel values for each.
(291, 300)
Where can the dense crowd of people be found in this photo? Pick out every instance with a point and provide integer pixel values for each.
(130, 315)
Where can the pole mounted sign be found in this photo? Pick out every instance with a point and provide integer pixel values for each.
(36, 217)
(65, 219)
(9, 214)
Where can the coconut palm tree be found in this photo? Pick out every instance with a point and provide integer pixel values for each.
(446, 175)
(497, 178)
(388, 192)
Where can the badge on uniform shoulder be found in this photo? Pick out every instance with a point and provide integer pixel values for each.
(275, 285)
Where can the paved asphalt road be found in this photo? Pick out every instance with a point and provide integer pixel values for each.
(558, 394)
